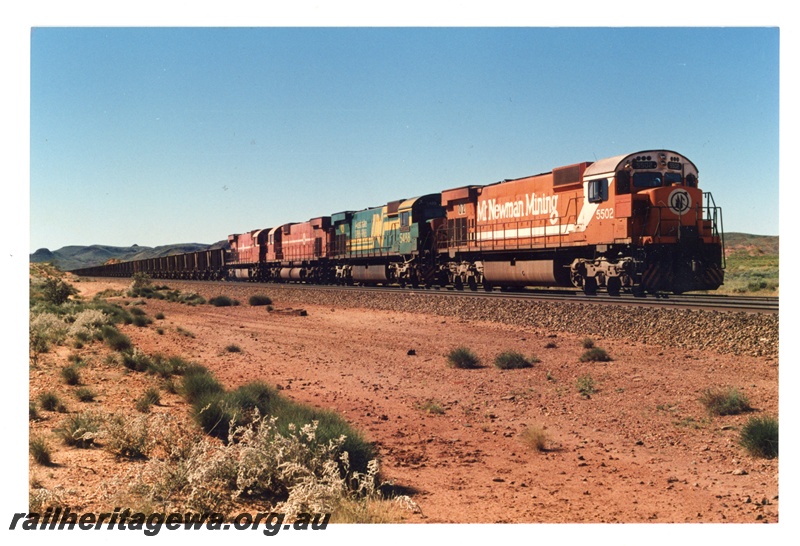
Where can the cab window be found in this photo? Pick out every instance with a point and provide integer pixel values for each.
(598, 190)
(623, 182)
(647, 180)
(404, 220)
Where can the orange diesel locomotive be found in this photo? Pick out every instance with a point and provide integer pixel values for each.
(635, 221)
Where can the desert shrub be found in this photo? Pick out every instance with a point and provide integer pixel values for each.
(141, 286)
(40, 451)
(49, 401)
(116, 339)
(159, 316)
(215, 410)
(85, 395)
(595, 354)
(222, 301)
(167, 366)
(46, 329)
(142, 320)
(262, 463)
(115, 314)
(71, 375)
(198, 382)
(184, 332)
(233, 348)
(586, 386)
(33, 413)
(535, 437)
(86, 323)
(511, 360)
(330, 427)
(151, 397)
(431, 406)
(587, 343)
(136, 361)
(462, 357)
(57, 291)
(129, 437)
(80, 430)
(213, 413)
(107, 293)
(725, 402)
(169, 386)
(759, 437)
(254, 396)
(551, 345)
(259, 299)
(189, 298)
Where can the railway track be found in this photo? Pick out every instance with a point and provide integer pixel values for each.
(695, 301)
(717, 302)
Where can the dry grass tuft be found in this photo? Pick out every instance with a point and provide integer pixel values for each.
(535, 437)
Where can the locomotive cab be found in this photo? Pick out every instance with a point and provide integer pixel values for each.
(673, 225)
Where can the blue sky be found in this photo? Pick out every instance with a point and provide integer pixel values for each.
(169, 135)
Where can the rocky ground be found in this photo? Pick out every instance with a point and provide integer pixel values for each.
(639, 449)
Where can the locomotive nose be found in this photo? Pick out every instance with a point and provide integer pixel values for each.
(676, 200)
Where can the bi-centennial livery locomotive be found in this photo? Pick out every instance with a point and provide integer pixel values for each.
(636, 222)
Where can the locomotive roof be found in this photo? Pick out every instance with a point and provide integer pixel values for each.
(612, 164)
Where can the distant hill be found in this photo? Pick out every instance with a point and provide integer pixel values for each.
(75, 257)
(751, 245)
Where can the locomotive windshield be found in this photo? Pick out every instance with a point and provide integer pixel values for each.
(655, 179)
(647, 180)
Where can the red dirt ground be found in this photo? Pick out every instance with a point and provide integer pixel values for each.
(641, 449)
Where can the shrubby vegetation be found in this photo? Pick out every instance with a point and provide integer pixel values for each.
(535, 437)
(259, 299)
(759, 437)
(511, 360)
(595, 354)
(293, 456)
(725, 401)
(223, 301)
(586, 386)
(462, 357)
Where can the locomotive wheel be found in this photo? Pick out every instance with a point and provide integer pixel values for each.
(473, 283)
(458, 284)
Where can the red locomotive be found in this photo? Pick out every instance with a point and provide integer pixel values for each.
(637, 222)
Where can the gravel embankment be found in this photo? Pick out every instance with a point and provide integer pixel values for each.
(751, 334)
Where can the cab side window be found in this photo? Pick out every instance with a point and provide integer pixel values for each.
(623, 182)
(404, 221)
(598, 190)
